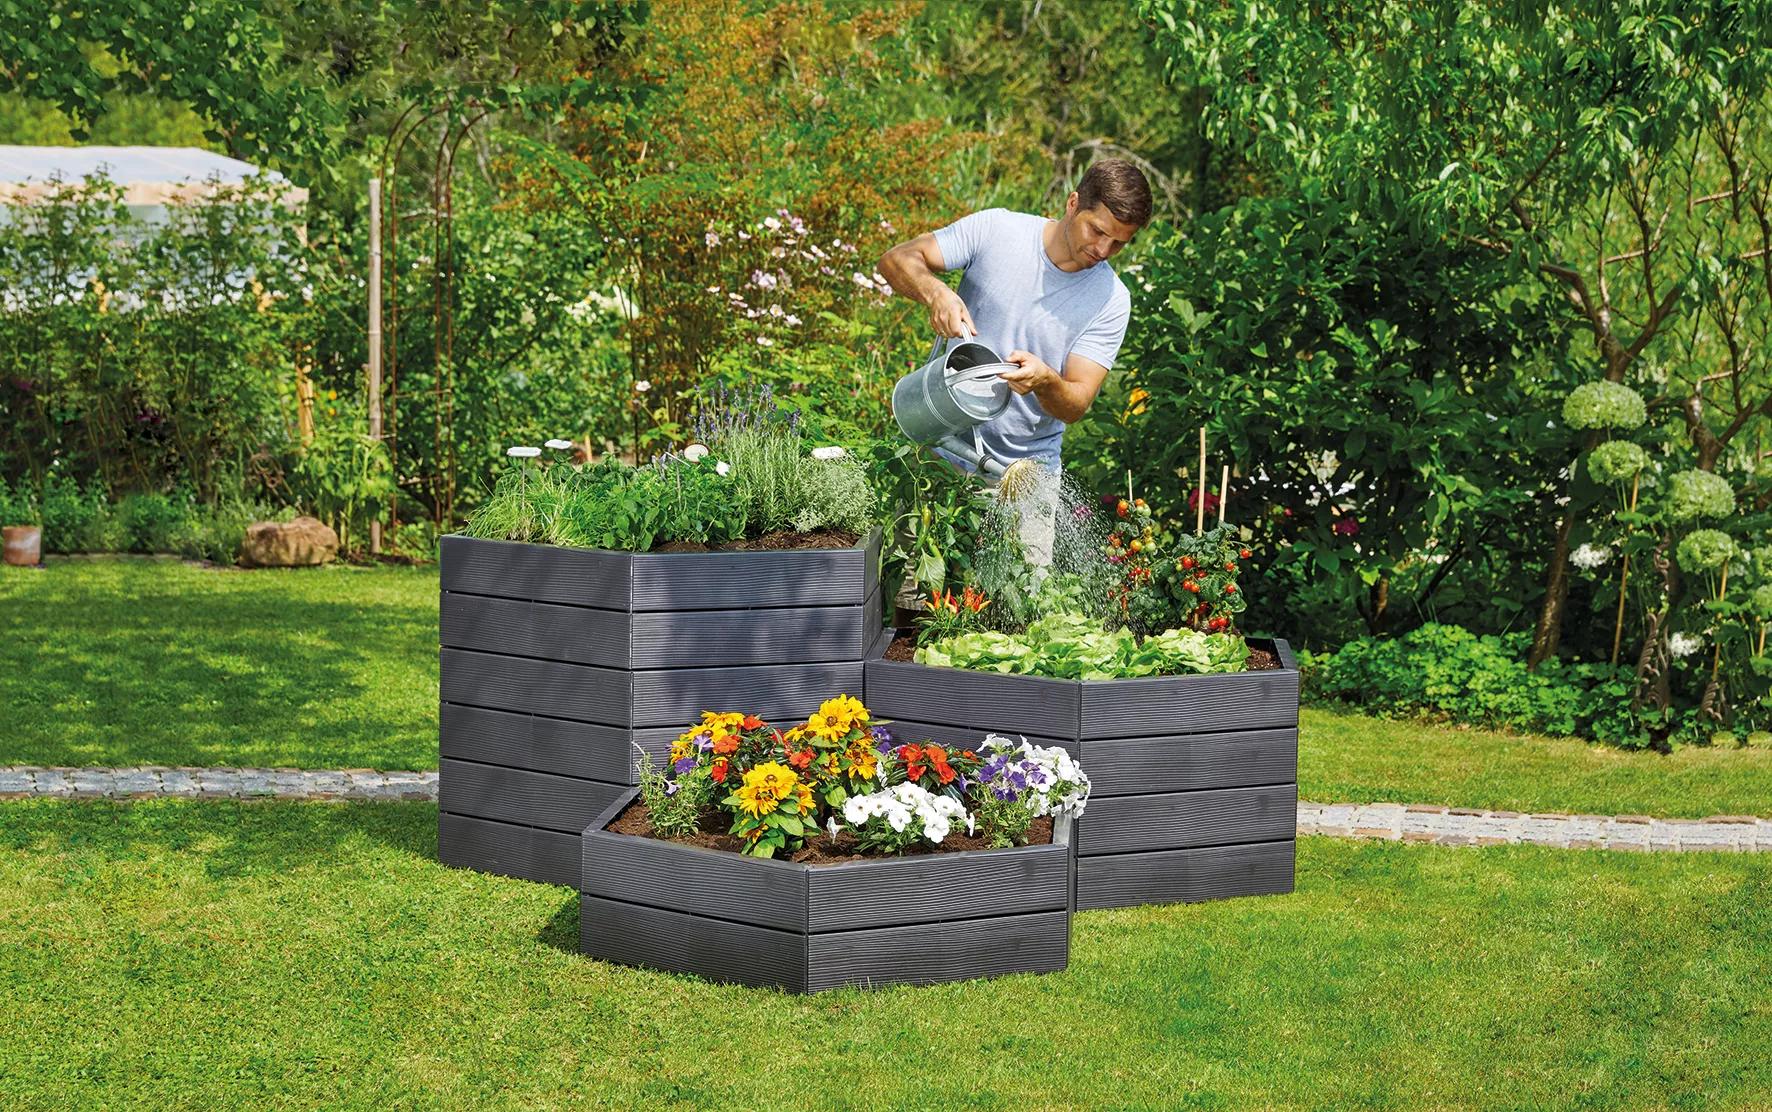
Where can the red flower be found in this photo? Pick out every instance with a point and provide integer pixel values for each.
(751, 722)
(801, 760)
(914, 772)
(945, 773)
(1345, 527)
(718, 772)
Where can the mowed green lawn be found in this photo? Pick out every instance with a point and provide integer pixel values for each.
(124, 662)
(189, 954)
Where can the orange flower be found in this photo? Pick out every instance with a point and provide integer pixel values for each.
(751, 722)
(801, 759)
(726, 744)
(718, 772)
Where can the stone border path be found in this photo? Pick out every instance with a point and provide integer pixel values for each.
(1396, 822)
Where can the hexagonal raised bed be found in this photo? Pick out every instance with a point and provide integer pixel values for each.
(556, 662)
(1195, 778)
(805, 928)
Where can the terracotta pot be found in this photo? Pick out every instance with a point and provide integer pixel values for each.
(24, 545)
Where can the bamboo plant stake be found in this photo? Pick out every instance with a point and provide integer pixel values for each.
(1618, 625)
(1224, 483)
(1716, 655)
(1200, 517)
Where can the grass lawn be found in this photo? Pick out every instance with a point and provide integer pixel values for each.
(205, 954)
(131, 661)
(121, 662)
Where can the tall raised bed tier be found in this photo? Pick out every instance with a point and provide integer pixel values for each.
(806, 928)
(1194, 778)
(556, 662)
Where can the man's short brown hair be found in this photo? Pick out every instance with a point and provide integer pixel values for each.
(1120, 186)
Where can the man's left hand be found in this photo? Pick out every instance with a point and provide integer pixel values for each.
(1031, 374)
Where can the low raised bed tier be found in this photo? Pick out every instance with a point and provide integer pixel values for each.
(1194, 779)
(806, 928)
(558, 665)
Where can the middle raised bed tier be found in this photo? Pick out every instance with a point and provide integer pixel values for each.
(558, 662)
(1194, 779)
(806, 928)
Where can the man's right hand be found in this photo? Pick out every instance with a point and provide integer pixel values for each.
(950, 317)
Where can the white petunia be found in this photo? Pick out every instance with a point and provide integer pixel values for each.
(523, 452)
(722, 468)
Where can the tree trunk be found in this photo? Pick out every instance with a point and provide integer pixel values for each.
(1653, 689)
(1549, 632)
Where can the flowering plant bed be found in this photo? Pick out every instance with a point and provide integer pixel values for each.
(891, 872)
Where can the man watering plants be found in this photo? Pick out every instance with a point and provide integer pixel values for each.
(1037, 292)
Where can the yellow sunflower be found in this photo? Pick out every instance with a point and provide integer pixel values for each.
(766, 785)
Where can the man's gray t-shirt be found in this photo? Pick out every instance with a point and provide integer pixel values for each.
(1019, 299)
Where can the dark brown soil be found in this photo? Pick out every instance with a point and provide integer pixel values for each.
(904, 647)
(822, 850)
(772, 542)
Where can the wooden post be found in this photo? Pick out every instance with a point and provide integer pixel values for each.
(1224, 484)
(1624, 577)
(1200, 518)
(375, 337)
(1716, 656)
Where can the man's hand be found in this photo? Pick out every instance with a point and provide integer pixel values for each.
(950, 316)
(1032, 373)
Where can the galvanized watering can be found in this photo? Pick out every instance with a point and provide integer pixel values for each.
(952, 395)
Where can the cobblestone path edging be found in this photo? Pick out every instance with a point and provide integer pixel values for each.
(1396, 822)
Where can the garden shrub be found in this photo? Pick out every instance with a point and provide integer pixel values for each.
(1447, 672)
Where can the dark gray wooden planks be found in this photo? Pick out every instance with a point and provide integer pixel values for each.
(548, 856)
(931, 953)
(557, 663)
(1175, 762)
(1185, 875)
(676, 942)
(1172, 820)
(910, 920)
(514, 795)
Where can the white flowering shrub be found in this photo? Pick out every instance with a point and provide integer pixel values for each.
(1684, 644)
(1590, 556)
(1695, 494)
(1760, 602)
(1616, 461)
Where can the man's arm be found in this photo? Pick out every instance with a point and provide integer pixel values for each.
(912, 269)
(1065, 397)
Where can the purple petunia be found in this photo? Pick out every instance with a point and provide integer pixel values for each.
(671, 787)
(683, 765)
(882, 738)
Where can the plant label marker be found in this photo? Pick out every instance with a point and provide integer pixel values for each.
(1200, 517)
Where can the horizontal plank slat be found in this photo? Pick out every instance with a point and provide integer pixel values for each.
(694, 881)
(1185, 875)
(541, 799)
(930, 953)
(783, 635)
(546, 856)
(1222, 816)
(1147, 706)
(780, 577)
(779, 693)
(655, 938)
(582, 749)
(539, 572)
(984, 700)
(1189, 762)
(933, 887)
(575, 691)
